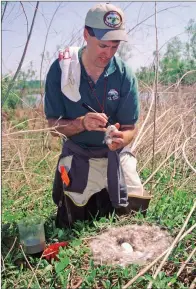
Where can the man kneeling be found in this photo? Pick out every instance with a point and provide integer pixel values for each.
(95, 173)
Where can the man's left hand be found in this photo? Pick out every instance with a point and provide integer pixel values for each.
(123, 137)
(118, 139)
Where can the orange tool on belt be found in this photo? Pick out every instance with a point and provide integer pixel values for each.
(64, 176)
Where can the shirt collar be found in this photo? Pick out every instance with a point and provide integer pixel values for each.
(109, 69)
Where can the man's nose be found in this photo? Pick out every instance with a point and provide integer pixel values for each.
(109, 52)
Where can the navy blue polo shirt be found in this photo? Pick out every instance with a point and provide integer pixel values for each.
(116, 89)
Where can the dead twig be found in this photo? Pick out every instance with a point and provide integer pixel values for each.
(10, 250)
(188, 72)
(46, 38)
(4, 11)
(150, 17)
(160, 117)
(155, 95)
(144, 123)
(34, 275)
(184, 264)
(23, 166)
(28, 120)
(193, 284)
(35, 130)
(11, 84)
(77, 284)
(25, 17)
(37, 165)
(3, 264)
(184, 154)
(173, 245)
(169, 156)
(144, 270)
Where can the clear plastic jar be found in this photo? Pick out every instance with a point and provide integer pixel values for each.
(32, 235)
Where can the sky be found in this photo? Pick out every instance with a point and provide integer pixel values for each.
(57, 23)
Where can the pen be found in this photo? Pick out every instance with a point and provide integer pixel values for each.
(89, 108)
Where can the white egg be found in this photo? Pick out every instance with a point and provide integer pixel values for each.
(127, 247)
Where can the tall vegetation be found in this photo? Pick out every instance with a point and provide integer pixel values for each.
(178, 59)
(24, 86)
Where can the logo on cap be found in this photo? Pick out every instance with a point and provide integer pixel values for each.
(112, 19)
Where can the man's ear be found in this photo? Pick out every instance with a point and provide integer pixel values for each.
(86, 35)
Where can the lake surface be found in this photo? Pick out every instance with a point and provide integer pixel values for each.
(32, 100)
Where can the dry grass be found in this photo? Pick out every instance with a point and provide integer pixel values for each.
(175, 125)
(29, 156)
(28, 159)
(27, 145)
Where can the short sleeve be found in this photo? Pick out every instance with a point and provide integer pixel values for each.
(54, 106)
(128, 109)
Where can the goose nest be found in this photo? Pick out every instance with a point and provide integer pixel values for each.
(131, 244)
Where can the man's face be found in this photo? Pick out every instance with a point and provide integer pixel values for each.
(99, 51)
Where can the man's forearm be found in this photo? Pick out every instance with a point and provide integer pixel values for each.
(66, 127)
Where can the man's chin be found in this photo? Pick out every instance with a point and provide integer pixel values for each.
(101, 65)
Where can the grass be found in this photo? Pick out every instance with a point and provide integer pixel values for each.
(75, 262)
(29, 161)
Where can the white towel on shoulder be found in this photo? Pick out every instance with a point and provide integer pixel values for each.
(71, 72)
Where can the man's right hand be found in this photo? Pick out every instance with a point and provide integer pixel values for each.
(95, 121)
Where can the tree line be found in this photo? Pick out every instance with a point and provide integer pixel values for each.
(178, 59)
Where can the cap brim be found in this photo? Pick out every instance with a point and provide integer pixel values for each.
(110, 34)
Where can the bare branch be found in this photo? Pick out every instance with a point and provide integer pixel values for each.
(184, 264)
(127, 6)
(11, 84)
(156, 88)
(10, 249)
(34, 275)
(130, 30)
(192, 286)
(46, 42)
(184, 154)
(173, 245)
(145, 269)
(4, 11)
(25, 17)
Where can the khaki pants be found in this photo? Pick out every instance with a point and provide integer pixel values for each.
(97, 177)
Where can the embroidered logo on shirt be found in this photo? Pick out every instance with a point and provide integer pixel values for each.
(112, 19)
(113, 94)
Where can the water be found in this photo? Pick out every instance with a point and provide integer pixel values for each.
(32, 100)
(34, 245)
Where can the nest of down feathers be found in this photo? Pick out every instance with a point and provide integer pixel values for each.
(131, 244)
